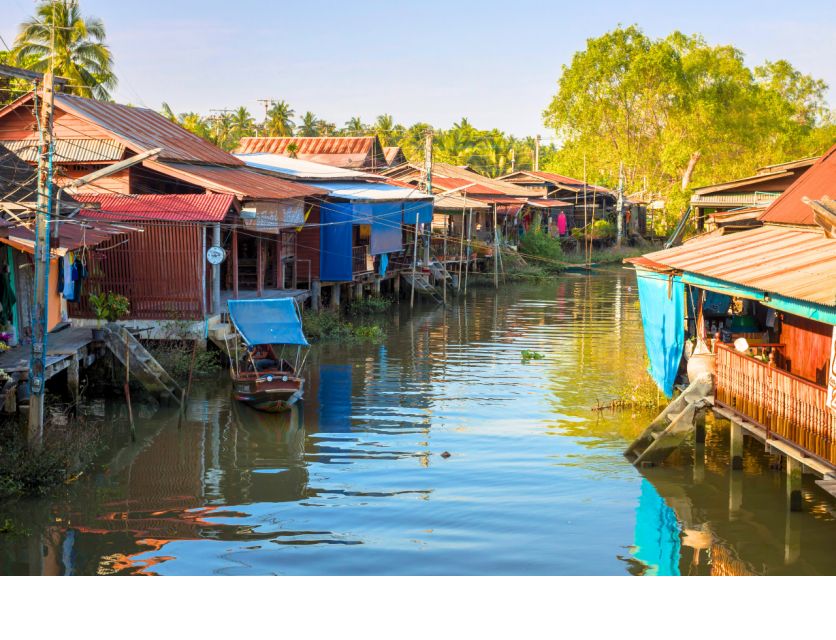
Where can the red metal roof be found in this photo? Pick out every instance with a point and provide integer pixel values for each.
(239, 181)
(71, 234)
(818, 181)
(349, 153)
(202, 207)
(473, 188)
(562, 180)
(143, 129)
(549, 202)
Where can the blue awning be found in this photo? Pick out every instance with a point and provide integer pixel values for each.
(268, 321)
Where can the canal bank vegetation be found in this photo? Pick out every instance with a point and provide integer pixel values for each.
(68, 450)
(325, 325)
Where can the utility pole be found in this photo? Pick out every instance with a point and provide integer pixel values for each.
(537, 152)
(513, 159)
(40, 309)
(428, 170)
(620, 206)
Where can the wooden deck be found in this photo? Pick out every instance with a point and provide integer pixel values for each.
(62, 348)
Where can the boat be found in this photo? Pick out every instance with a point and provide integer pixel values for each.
(265, 370)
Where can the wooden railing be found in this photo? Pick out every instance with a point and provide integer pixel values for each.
(787, 406)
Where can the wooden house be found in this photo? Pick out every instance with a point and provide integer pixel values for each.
(775, 286)
(255, 220)
(740, 202)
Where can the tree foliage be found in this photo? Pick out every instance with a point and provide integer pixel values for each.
(59, 37)
(677, 111)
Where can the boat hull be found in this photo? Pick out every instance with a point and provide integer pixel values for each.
(270, 397)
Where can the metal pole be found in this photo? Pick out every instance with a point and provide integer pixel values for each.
(216, 271)
(620, 206)
(537, 152)
(40, 309)
(428, 168)
(414, 262)
(495, 251)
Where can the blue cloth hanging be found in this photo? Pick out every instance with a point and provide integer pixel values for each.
(662, 300)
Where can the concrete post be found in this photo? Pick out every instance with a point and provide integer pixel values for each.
(377, 286)
(396, 286)
(699, 427)
(794, 469)
(735, 494)
(73, 376)
(358, 290)
(316, 295)
(335, 297)
(736, 447)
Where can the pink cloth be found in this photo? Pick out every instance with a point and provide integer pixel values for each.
(561, 223)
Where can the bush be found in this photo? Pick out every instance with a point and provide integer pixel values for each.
(175, 356)
(368, 306)
(65, 452)
(603, 230)
(537, 245)
(327, 325)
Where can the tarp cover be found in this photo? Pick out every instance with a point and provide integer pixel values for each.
(335, 258)
(662, 302)
(267, 321)
(386, 228)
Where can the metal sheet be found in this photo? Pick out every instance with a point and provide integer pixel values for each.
(818, 181)
(792, 262)
(203, 207)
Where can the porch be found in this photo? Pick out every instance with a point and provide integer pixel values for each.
(786, 407)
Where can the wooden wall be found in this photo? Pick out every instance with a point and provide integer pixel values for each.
(308, 247)
(807, 347)
(159, 270)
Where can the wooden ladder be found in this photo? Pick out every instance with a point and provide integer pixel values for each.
(422, 285)
(673, 425)
(143, 366)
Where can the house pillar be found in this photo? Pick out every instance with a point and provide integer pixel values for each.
(335, 296)
(235, 262)
(735, 494)
(794, 470)
(377, 286)
(358, 291)
(216, 271)
(259, 278)
(699, 427)
(316, 295)
(396, 285)
(736, 447)
(73, 376)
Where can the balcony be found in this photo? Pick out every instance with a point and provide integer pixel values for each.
(785, 406)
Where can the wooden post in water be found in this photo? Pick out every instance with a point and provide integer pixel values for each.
(335, 296)
(73, 377)
(316, 295)
(699, 427)
(736, 446)
(128, 387)
(469, 236)
(495, 251)
(794, 469)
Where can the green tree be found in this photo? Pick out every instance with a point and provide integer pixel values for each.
(354, 127)
(243, 123)
(310, 126)
(79, 53)
(677, 111)
(279, 121)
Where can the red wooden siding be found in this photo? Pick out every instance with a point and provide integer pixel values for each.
(807, 349)
(307, 246)
(159, 270)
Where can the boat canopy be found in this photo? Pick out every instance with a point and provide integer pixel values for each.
(268, 321)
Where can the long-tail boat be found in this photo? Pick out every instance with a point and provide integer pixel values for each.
(266, 363)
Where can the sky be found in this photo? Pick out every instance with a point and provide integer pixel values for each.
(496, 63)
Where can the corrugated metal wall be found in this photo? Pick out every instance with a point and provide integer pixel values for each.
(807, 349)
(159, 270)
(307, 246)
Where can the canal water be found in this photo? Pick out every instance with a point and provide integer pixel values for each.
(437, 451)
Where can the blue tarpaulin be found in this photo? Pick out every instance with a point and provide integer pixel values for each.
(337, 219)
(421, 208)
(268, 321)
(386, 227)
(662, 300)
(657, 539)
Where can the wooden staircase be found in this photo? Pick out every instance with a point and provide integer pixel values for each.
(673, 425)
(142, 365)
(422, 285)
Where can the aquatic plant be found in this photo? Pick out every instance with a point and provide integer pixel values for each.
(531, 355)
(327, 325)
(368, 306)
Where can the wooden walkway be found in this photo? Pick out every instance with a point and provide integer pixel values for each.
(63, 347)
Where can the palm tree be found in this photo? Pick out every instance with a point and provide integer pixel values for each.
(222, 131)
(310, 126)
(79, 52)
(279, 121)
(383, 128)
(355, 127)
(243, 124)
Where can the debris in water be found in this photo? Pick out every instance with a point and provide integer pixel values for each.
(446, 454)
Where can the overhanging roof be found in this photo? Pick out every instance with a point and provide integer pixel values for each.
(179, 207)
(371, 191)
(818, 181)
(296, 169)
(793, 262)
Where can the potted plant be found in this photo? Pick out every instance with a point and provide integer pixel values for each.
(108, 307)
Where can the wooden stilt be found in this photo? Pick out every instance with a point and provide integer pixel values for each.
(736, 446)
(316, 295)
(699, 427)
(335, 296)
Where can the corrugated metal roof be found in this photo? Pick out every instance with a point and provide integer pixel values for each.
(201, 207)
(296, 169)
(144, 129)
(71, 235)
(793, 262)
(394, 156)
(240, 181)
(69, 149)
(370, 191)
(350, 153)
(558, 179)
(545, 203)
(818, 181)
(457, 202)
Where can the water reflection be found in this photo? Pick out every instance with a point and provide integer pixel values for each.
(353, 481)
